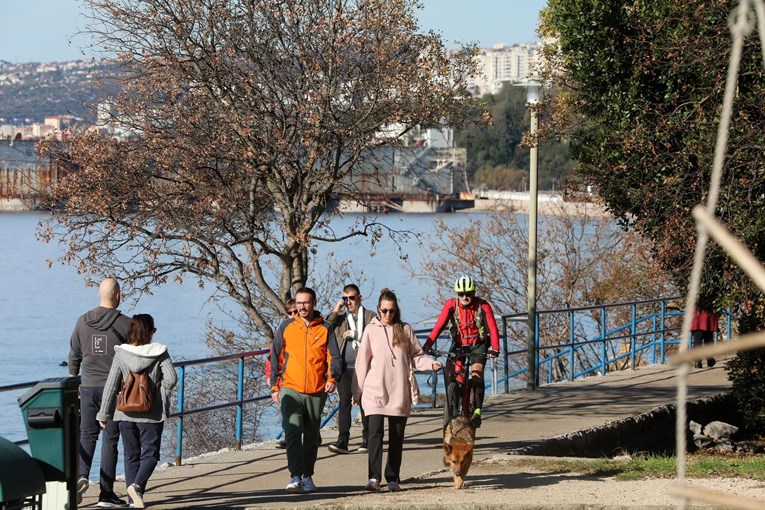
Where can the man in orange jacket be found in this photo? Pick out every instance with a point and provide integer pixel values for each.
(306, 359)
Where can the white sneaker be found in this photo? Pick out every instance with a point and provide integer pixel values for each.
(295, 487)
(373, 485)
(308, 485)
(394, 487)
(136, 496)
(82, 487)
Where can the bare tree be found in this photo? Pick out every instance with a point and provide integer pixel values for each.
(584, 259)
(239, 120)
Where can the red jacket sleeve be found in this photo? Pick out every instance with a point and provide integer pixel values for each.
(492, 324)
(443, 319)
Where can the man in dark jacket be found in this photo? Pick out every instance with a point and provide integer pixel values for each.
(92, 349)
(349, 319)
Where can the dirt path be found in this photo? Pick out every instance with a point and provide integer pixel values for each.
(506, 482)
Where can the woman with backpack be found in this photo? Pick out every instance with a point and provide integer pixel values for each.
(137, 395)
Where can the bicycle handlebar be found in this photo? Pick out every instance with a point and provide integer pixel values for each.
(448, 354)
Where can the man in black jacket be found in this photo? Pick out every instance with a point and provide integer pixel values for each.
(92, 350)
(349, 319)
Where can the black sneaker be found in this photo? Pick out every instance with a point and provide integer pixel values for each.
(282, 444)
(697, 364)
(110, 501)
(476, 421)
(711, 362)
(338, 447)
(363, 448)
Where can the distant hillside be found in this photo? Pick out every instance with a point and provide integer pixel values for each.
(29, 92)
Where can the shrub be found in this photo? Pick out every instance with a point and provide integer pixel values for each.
(747, 373)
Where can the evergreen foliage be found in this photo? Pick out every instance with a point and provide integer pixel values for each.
(746, 373)
(496, 158)
(641, 90)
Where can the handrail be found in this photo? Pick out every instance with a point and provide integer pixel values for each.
(598, 307)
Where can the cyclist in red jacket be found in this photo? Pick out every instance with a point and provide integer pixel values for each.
(471, 322)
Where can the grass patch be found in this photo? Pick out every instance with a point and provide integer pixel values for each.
(654, 466)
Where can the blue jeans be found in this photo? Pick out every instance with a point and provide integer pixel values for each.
(141, 442)
(90, 403)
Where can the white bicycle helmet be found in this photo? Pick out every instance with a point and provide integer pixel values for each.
(464, 284)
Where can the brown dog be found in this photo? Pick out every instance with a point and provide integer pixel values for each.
(459, 438)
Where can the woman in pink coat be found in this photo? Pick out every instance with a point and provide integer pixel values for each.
(388, 349)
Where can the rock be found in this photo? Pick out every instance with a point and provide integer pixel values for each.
(696, 428)
(746, 446)
(724, 447)
(719, 430)
(702, 442)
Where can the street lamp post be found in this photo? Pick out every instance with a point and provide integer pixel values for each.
(532, 382)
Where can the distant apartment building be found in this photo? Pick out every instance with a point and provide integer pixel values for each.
(505, 63)
(52, 127)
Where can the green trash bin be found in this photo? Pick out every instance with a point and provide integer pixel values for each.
(22, 483)
(51, 415)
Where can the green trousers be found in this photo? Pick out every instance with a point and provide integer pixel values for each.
(301, 420)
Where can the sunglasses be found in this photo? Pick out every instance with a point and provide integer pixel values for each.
(290, 313)
(386, 311)
(461, 294)
(349, 298)
(154, 330)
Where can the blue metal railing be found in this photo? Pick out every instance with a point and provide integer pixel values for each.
(238, 403)
(649, 331)
(595, 336)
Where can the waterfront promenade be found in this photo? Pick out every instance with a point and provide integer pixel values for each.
(256, 476)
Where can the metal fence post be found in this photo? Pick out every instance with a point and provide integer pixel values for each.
(435, 380)
(653, 340)
(633, 331)
(571, 341)
(603, 361)
(179, 423)
(507, 356)
(729, 316)
(239, 397)
(536, 350)
(662, 338)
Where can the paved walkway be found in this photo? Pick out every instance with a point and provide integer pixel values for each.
(256, 476)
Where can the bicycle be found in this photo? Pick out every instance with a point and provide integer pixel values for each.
(458, 384)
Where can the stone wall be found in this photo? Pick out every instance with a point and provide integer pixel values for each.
(547, 208)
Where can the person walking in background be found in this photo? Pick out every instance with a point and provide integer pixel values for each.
(705, 325)
(349, 327)
(471, 323)
(290, 306)
(304, 356)
(141, 431)
(388, 351)
(91, 351)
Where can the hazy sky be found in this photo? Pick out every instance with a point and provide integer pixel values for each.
(41, 30)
